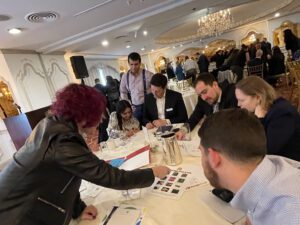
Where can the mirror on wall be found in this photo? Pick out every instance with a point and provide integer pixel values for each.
(252, 37)
(278, 38)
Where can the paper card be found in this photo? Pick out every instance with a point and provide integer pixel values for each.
(93, 190)
(125, 216)
(128, 159)
(137, 159)
(172, 186)
(178, 181)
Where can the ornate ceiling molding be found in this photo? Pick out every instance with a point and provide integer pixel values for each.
(112, 25)
(236, 24)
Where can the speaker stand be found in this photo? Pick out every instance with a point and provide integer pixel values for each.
(82, 81)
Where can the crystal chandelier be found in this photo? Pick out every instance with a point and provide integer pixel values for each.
(215, 24)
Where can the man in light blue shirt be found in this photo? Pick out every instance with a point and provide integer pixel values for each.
(267, 188)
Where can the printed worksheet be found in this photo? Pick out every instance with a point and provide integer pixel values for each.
(172, 186)
(178, 181)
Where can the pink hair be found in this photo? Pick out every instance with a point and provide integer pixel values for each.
(79, 103)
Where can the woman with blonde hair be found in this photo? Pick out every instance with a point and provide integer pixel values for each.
(280, 119)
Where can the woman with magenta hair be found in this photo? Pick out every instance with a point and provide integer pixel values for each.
(41, 184)
(123, 120)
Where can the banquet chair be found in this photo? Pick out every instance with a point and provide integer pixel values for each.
(190, 81)
(256, 70)
(295, 76)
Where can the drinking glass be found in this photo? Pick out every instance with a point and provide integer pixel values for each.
(132, 194)
(187, 131)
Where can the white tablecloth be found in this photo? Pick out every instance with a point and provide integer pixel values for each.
(190, 99)
(188, 210)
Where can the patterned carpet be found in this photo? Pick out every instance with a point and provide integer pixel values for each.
(287, 92)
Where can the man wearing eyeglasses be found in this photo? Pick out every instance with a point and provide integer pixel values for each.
(213, 97)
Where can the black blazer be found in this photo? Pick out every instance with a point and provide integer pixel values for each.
(175, 109)
(282, 126)
(228, 100)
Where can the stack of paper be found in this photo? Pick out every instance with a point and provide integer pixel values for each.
(128, 159)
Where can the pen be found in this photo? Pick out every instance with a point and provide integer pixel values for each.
(110, 215)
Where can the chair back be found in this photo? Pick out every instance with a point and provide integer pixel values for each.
(256, 70)
(190, 81)
(296, 75)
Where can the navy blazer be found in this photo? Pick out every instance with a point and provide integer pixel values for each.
(175, 109)
(282, 126)
(228, 100)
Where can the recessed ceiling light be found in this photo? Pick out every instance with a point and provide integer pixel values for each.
(206, 46)
(181, 45)
(127, 46)
(142, 49)
(104, 43)
(174, 46)
(277, 15)
(145, 33)
(14, 31)
(152, 50)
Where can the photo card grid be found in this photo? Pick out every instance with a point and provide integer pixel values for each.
(173, 185)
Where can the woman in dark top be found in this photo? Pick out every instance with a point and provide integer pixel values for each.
(280, 119)
(41, 184)
(276, 62)
(291, 42)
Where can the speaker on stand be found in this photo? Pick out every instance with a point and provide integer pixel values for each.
(79, 67)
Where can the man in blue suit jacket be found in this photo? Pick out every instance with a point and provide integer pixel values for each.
(163, 106)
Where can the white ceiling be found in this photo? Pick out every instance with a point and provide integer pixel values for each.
(83, 24)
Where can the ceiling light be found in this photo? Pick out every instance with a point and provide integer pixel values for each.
(277, 14)
(145, 33)
(206, 46)
(152, 50)
(174, 46)
(142, 49)
(215, 24)
(181, 45)
(14, 31)
(104, 43)
(127, 46)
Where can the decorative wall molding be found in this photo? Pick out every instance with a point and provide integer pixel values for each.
(94, 73)
(24, 73)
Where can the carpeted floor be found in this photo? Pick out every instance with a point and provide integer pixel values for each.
(287, 92)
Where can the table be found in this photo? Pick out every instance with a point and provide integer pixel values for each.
(190, 99)
(189, 209)
(189, 95)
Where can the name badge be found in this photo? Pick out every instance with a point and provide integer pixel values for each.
(169, 109)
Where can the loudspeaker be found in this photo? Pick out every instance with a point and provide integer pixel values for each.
(79, 67)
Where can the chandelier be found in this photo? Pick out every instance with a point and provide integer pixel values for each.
(215, 24)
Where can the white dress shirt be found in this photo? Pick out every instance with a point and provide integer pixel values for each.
(160, 104)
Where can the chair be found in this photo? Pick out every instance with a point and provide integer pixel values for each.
(295, 75)
(190, 81)
(292, 67)
(256, 70)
